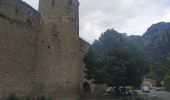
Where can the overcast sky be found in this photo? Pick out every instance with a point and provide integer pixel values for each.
(127, 16)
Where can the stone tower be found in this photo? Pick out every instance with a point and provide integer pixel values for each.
(58, 70)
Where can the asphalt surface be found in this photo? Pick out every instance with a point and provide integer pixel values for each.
(152, 95)
(159, 95)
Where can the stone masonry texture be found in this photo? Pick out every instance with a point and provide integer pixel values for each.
(40, 51)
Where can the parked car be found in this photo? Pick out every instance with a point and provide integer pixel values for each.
(145, 89)
(110, 90)
(159, 89)
(128, 91)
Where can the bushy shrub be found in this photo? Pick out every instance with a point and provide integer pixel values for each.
(167, 82)
(44, 98)
(13, 97)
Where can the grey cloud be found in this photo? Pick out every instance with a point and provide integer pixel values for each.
(126, 16)
(33, 3)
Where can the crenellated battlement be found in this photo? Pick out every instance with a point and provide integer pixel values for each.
(19, 11)
(56, 5)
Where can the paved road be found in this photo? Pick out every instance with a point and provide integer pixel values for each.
(102, 99)
(159, 95)
(153, 95)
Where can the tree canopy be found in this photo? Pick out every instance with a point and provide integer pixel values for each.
(116, 60)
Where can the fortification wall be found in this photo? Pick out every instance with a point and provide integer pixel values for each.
(84, 47)
(44, 61)
(87, 87)
(20, 12)
(59, 50)
(18, 49)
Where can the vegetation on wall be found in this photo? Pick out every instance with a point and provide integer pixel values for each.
(13, 96)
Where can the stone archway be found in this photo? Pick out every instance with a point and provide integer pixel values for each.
(86, 89)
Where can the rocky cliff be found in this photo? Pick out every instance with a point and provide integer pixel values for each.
(157, 35)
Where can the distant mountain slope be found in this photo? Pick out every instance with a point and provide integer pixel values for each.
(157, 44)
(157, 35)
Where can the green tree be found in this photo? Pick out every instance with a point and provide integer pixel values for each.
(115, 60)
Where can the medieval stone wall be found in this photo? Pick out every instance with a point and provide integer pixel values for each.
(41, 58)
(84, 46)
(59, 55)
(18, 49)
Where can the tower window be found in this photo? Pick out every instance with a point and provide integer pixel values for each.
(29, 13)
(42, 41)
(53, 2)
(16, 9)
(55, 35)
